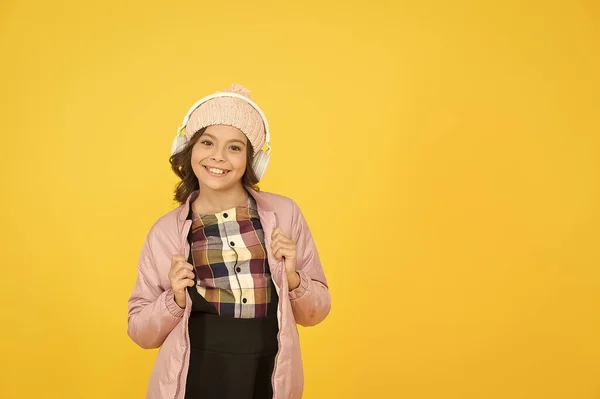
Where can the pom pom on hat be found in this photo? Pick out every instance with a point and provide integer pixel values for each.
(237, 88)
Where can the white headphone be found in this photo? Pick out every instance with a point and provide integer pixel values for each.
(261, 158)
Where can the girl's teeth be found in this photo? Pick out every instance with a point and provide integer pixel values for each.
(217, 171)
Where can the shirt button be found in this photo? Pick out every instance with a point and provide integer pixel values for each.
(225, 215)
(232, 244)
(244, 300)
(238, 270)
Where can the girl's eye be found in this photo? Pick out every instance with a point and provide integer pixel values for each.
(235, 148)
(207, 142)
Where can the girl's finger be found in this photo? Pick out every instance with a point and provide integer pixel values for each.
(277, 232)
(285, 253)
(177, 258)
(281, 239)
(184, 273)
(182, 265)
(276, 252)
(286, 245)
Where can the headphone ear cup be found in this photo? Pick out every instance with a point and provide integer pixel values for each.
(260, 163)
(178, 145)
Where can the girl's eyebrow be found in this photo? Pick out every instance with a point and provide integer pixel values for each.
(230, 141)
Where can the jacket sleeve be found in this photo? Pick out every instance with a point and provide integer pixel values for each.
(311, 300)
(153, 312)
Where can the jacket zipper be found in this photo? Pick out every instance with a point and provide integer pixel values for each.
(185, 319)
(185, 348)
(278, 342)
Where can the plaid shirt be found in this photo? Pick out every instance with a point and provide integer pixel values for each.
(229, 256)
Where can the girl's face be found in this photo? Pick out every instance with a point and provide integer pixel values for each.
(219, 157)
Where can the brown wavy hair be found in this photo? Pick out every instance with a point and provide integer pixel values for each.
(181, 164)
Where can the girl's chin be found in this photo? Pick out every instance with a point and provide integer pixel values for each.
(220, 182)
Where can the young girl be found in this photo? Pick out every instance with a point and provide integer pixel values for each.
(224, 278)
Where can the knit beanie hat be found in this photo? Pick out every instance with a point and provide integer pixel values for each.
(229, 111)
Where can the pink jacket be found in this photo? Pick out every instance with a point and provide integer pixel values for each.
(155, 320)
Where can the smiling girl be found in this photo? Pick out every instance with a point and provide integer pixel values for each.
(224, 279)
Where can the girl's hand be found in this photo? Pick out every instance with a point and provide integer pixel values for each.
(181, 276)
(284, 248)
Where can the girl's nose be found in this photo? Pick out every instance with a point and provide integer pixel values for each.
(218, 155)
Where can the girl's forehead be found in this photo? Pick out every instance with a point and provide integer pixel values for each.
(225, 132)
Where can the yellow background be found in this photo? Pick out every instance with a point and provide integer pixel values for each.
(446, 155)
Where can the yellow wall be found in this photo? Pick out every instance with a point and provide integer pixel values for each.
(446, 155)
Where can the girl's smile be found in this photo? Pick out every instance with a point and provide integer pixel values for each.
(216, 172)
